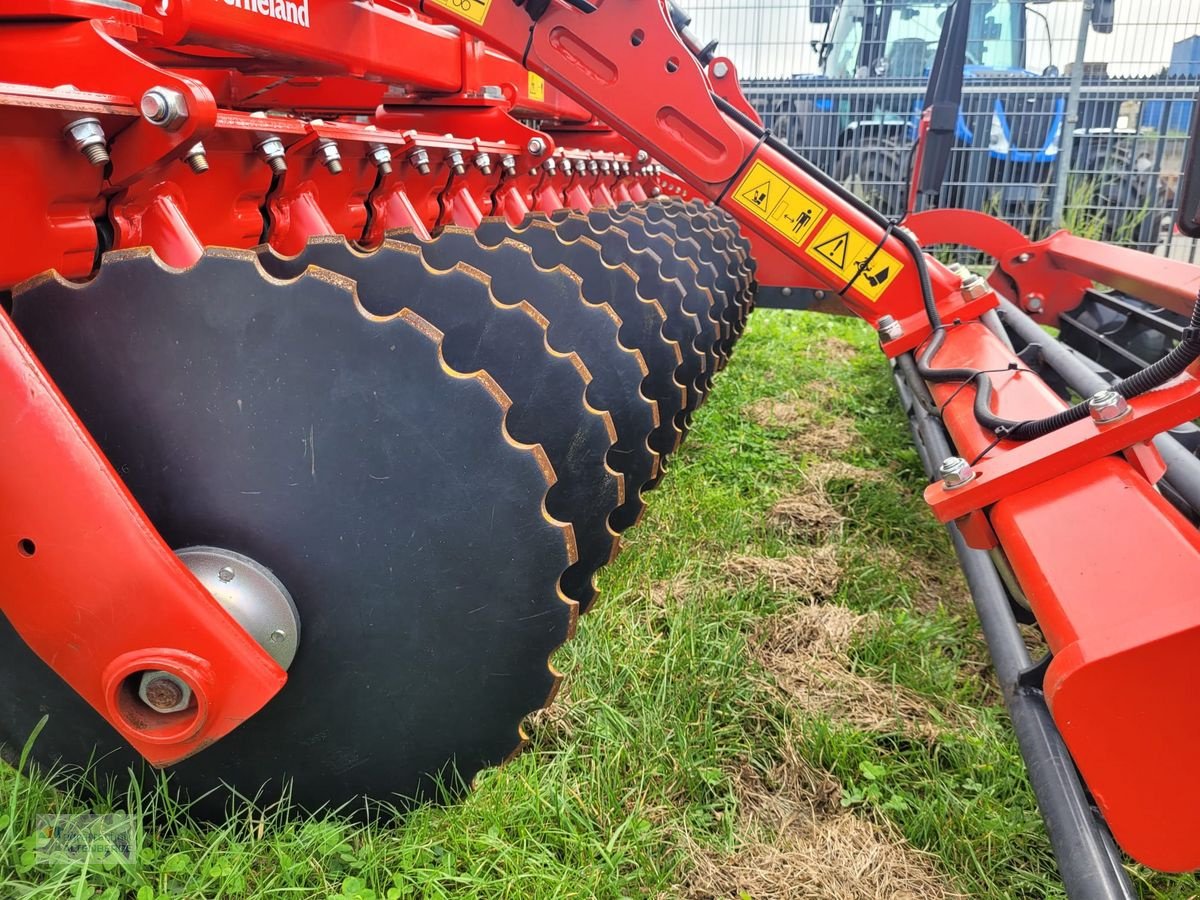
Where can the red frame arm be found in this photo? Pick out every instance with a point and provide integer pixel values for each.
(93, 590)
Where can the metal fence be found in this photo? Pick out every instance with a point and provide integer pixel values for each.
(1062, 125)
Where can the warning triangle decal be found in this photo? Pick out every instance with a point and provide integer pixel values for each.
(834, 249)
(760, 196)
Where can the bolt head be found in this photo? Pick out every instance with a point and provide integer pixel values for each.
(153, 106)
(974, 286)
(536, 146)
(163, 106)
(1024, 257)
(720, 69)
(164, 692)
(1107, 406)
(643, 156)
(509, 164)
(1034, 302)
(889, 329)
(955, 472)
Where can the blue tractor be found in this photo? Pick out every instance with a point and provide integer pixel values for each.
(1009, 131)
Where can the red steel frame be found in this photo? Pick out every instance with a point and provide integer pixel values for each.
(1055, 507)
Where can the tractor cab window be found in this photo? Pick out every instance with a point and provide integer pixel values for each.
(898, 38)
(845, 39)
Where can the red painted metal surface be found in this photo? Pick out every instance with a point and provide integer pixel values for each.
(1024, 465)
(95, 592)
(1110, 569)
(1047, 505)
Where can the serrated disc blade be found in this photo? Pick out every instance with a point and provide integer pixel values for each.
(509, 343)
(648, 325)
(340, 451)
(715, 245)
(711, 269)
(697, 298)
(572, 325)
(682, 324)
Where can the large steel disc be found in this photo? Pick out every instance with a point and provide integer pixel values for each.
(657, 280)
(681, 295)
(547, 389)
(573, 324)
(341, 452)
(712, 248)
(644, 320)
(682, 258)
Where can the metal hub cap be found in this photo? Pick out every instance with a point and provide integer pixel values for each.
(251, 594)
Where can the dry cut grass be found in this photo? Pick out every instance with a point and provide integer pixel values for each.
(807, 653)
(793, 840)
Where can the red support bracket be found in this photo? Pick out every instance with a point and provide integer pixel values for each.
(1025, 465)
(95, 592)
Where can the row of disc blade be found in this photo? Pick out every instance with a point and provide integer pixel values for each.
(435, 445)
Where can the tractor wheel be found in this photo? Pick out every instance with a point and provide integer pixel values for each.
(873, 167)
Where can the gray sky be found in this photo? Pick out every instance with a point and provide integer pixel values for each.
(771, 37)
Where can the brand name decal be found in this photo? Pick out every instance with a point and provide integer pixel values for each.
(284, 10)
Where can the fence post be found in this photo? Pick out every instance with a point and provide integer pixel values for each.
(1066, 146)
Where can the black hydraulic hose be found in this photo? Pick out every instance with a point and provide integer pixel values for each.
(1147, 379)
(1154, 375)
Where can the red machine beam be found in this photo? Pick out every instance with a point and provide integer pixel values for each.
(94, 591)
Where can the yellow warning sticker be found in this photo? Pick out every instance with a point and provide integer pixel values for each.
(475, 10)
(842, 250)
(537, 86)
(778, 202)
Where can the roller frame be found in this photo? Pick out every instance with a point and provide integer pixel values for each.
(654, 93)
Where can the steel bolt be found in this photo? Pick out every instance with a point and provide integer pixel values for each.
(1024, 257)
(509, 164)
(1034, 302)
(605, 167)
(536, 146)
(567, 166)
(550, 166)
(381, 156)
(593, 167)
(196, 158)
(974, 286)
(1107, 406)
(331, 157)
(955, 472)
(455, 160)
(270, 148)
(889, 329)
(164, 107)
(419, 158)
(643, 156)
(483, 162)
(720, 69)
(655, 191)
(164, 692)
(88, 135)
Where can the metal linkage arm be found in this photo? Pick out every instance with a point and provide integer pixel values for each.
(625, 62)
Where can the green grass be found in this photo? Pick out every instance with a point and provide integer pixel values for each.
(662, 703)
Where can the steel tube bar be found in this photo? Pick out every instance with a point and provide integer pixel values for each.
(1088, 861)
